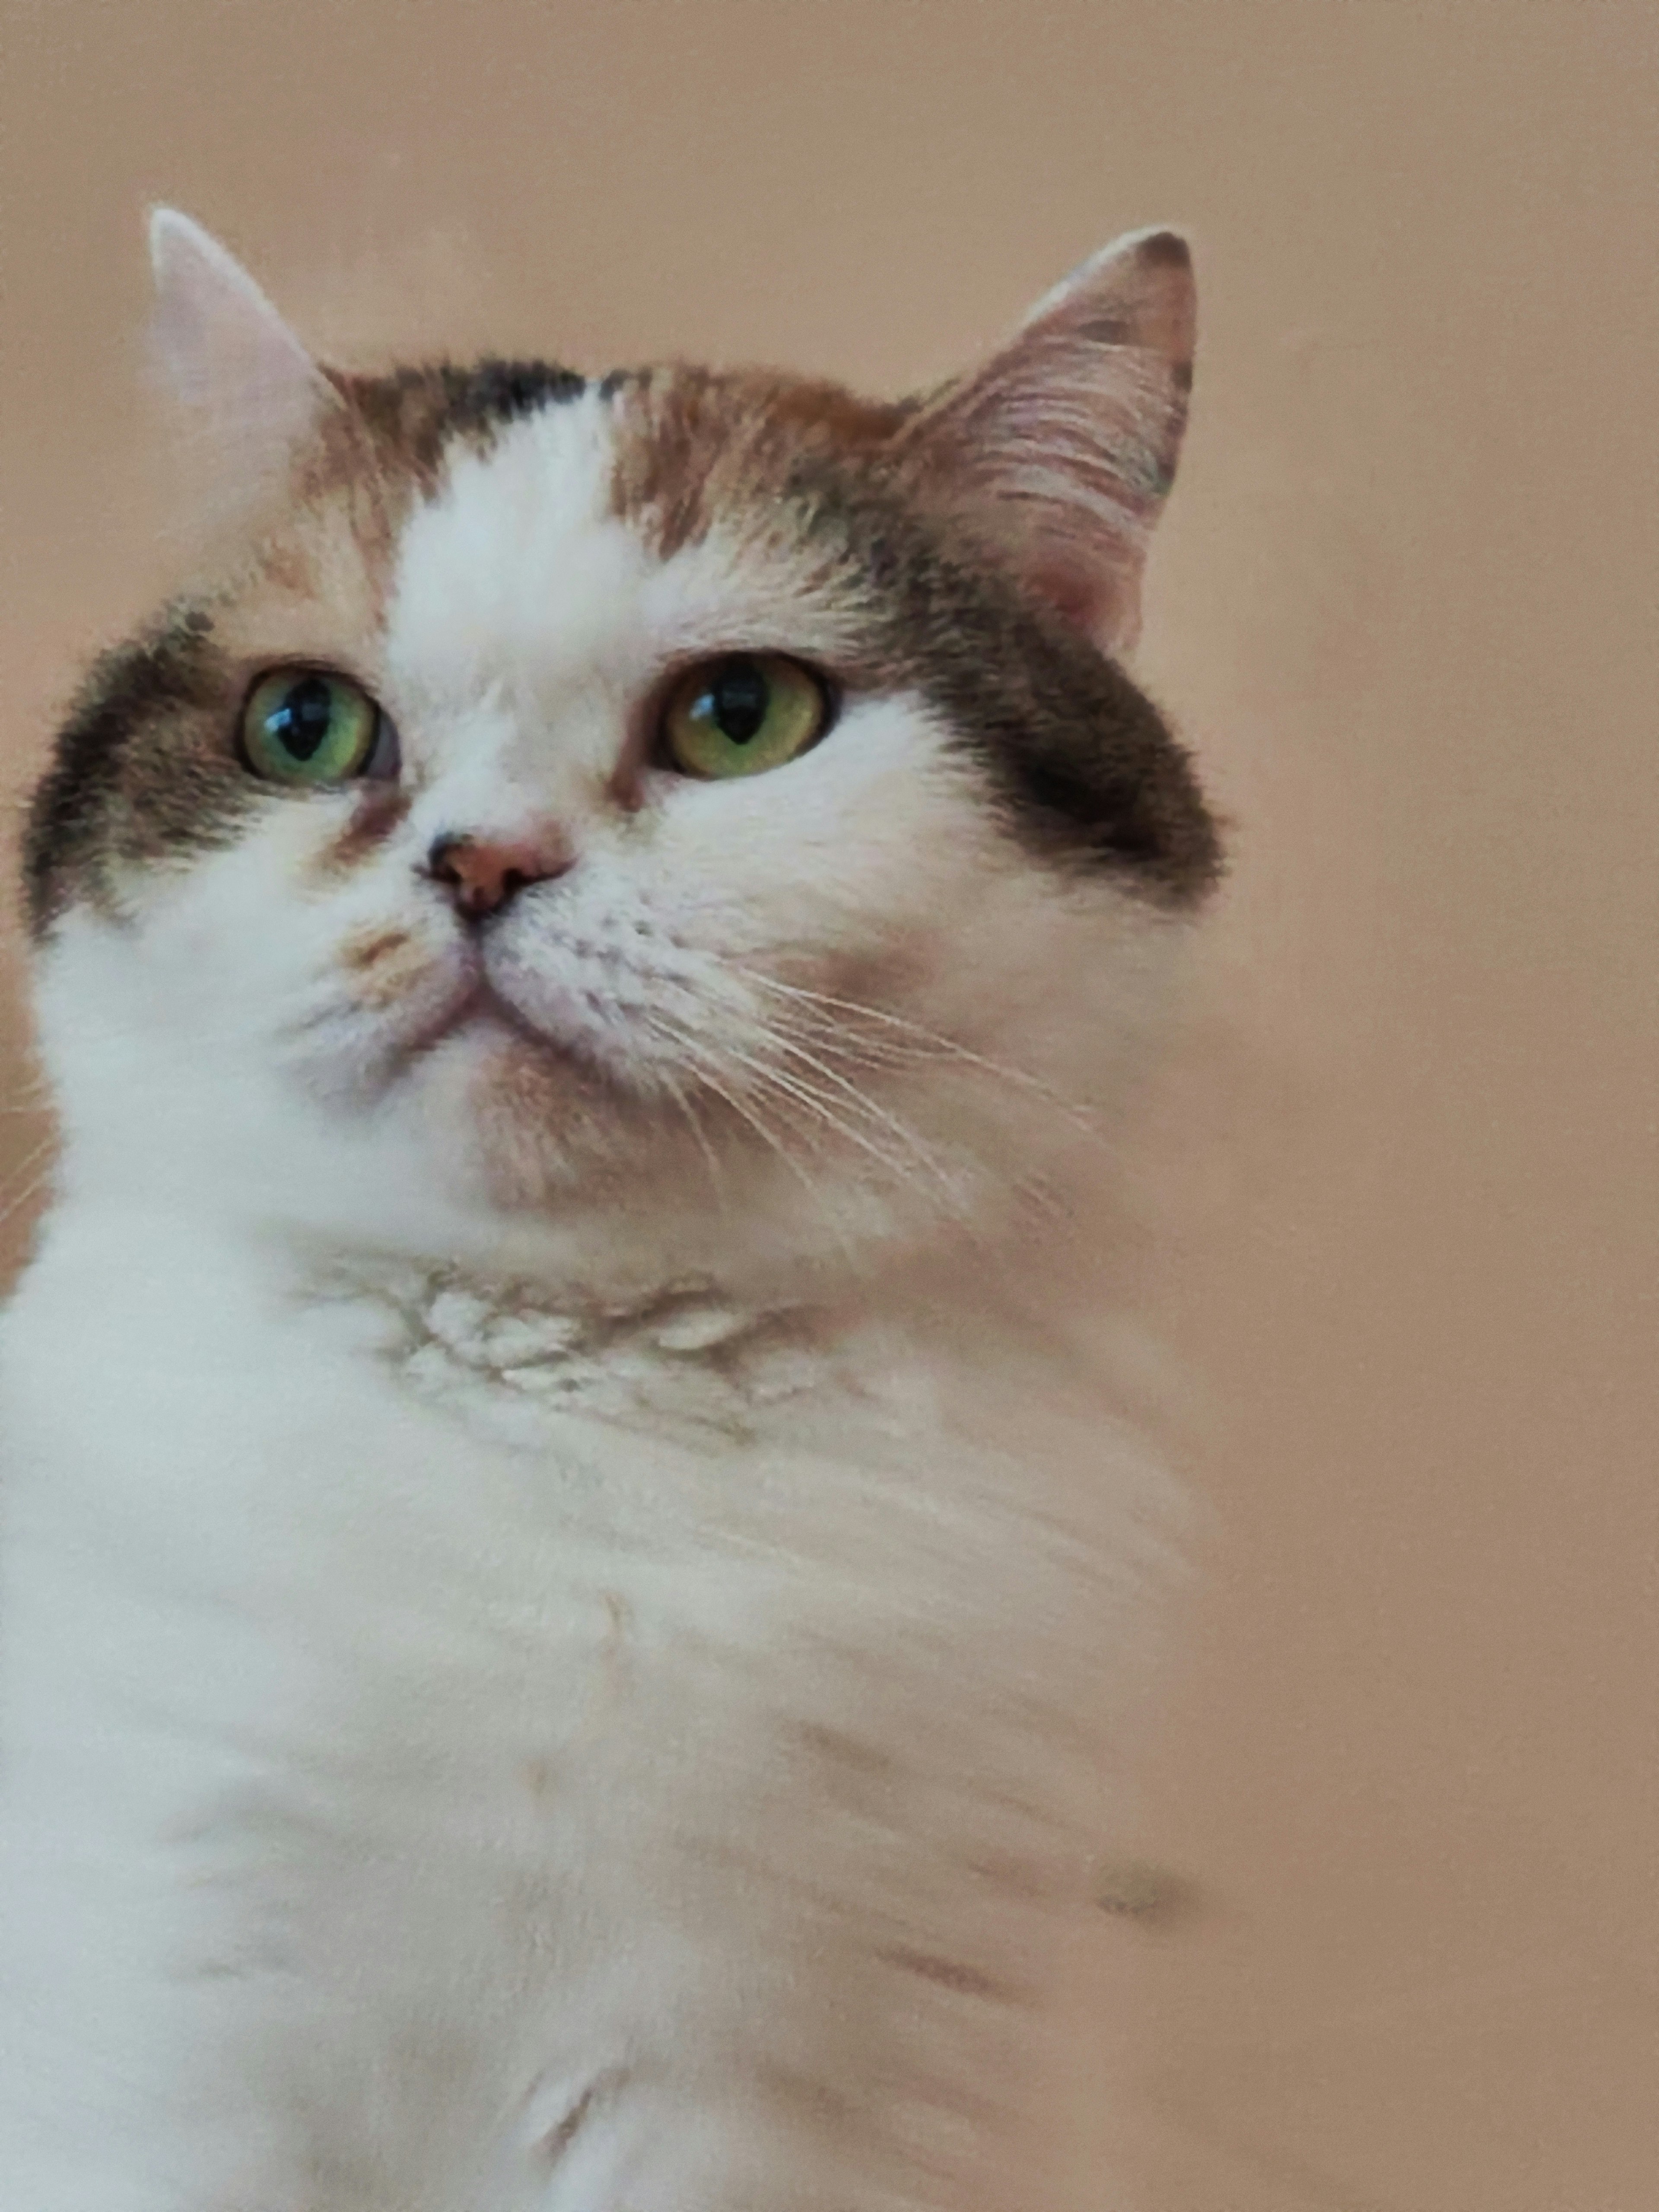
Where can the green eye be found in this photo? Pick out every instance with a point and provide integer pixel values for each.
(303, 725)
(743, 714)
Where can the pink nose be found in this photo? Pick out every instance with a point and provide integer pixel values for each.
(481, 874)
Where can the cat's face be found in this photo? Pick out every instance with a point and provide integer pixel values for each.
(675, 792)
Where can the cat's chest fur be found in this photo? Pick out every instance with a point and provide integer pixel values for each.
(309, 1432)
(436, 1622)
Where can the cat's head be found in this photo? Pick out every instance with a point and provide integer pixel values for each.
(687, 798)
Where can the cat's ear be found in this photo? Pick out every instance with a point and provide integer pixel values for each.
(1064, 443)
(246, 392)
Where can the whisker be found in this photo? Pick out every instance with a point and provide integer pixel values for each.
(814, 1102)
(716, 1172)
(929, 1042)
(31, 1095)
(925, 1154)
(23, 1198)
(700, 1057)
(36, 1156)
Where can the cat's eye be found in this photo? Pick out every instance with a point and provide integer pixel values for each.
(742, 715)
(309, 725)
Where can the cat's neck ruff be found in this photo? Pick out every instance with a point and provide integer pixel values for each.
(506, 1352)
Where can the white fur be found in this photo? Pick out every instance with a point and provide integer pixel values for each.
(561, 1607)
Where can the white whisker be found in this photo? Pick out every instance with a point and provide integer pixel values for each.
(36, 1157)
(22, 1198)
(814, 1102)
(716, 1174)
(928, 1044)
(712, 1070)
(699, 1057)
(924, 1153)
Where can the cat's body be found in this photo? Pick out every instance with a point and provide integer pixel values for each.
(566, 1568)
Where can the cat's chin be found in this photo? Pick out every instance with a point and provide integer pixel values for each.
(534, 1109)
(483, 1025)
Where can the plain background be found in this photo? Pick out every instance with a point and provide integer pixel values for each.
(1401, 1228)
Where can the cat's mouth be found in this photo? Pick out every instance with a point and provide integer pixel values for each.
(479, 1006)
(567, 1028)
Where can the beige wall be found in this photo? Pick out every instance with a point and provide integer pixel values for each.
(1405, 608)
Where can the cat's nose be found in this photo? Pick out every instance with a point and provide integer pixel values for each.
(482, 874)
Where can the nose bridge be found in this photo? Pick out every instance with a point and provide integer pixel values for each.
(502, 805)
(505, 766)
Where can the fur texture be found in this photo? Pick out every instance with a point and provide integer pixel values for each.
(567, 1567)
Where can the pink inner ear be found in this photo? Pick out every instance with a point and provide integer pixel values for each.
(1101, 599)
(1070, 590)
(225, 352)
(1063, 444)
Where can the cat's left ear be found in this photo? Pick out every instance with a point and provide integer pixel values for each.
(247, 392)
(1063, 445)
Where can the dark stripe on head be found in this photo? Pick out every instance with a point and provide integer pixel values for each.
(415, 412)
(1088, 770)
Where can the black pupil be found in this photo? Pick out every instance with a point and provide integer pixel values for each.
(301, 722)
(739, 695)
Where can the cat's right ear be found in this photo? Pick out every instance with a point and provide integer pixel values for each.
(1063, 444)
(246, 393)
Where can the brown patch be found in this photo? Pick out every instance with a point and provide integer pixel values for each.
(288, 567)
(137, 774)
(848, 1771)
(385, 970)
(692, 443)
(378, 812)
(1014, 1876)
(1150, 1896)
(841, 1749)
(815, 2101)
(145, 767)
(366, 948)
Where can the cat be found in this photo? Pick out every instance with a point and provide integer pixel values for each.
(567, 1565)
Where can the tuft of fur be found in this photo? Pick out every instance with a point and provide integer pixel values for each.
(568, 1569)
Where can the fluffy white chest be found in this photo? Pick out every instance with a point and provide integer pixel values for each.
(467, 1745)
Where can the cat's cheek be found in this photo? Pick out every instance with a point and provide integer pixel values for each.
(361, 1006)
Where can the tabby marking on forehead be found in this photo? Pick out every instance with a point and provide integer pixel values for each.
(414, 412)
(696, 446)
